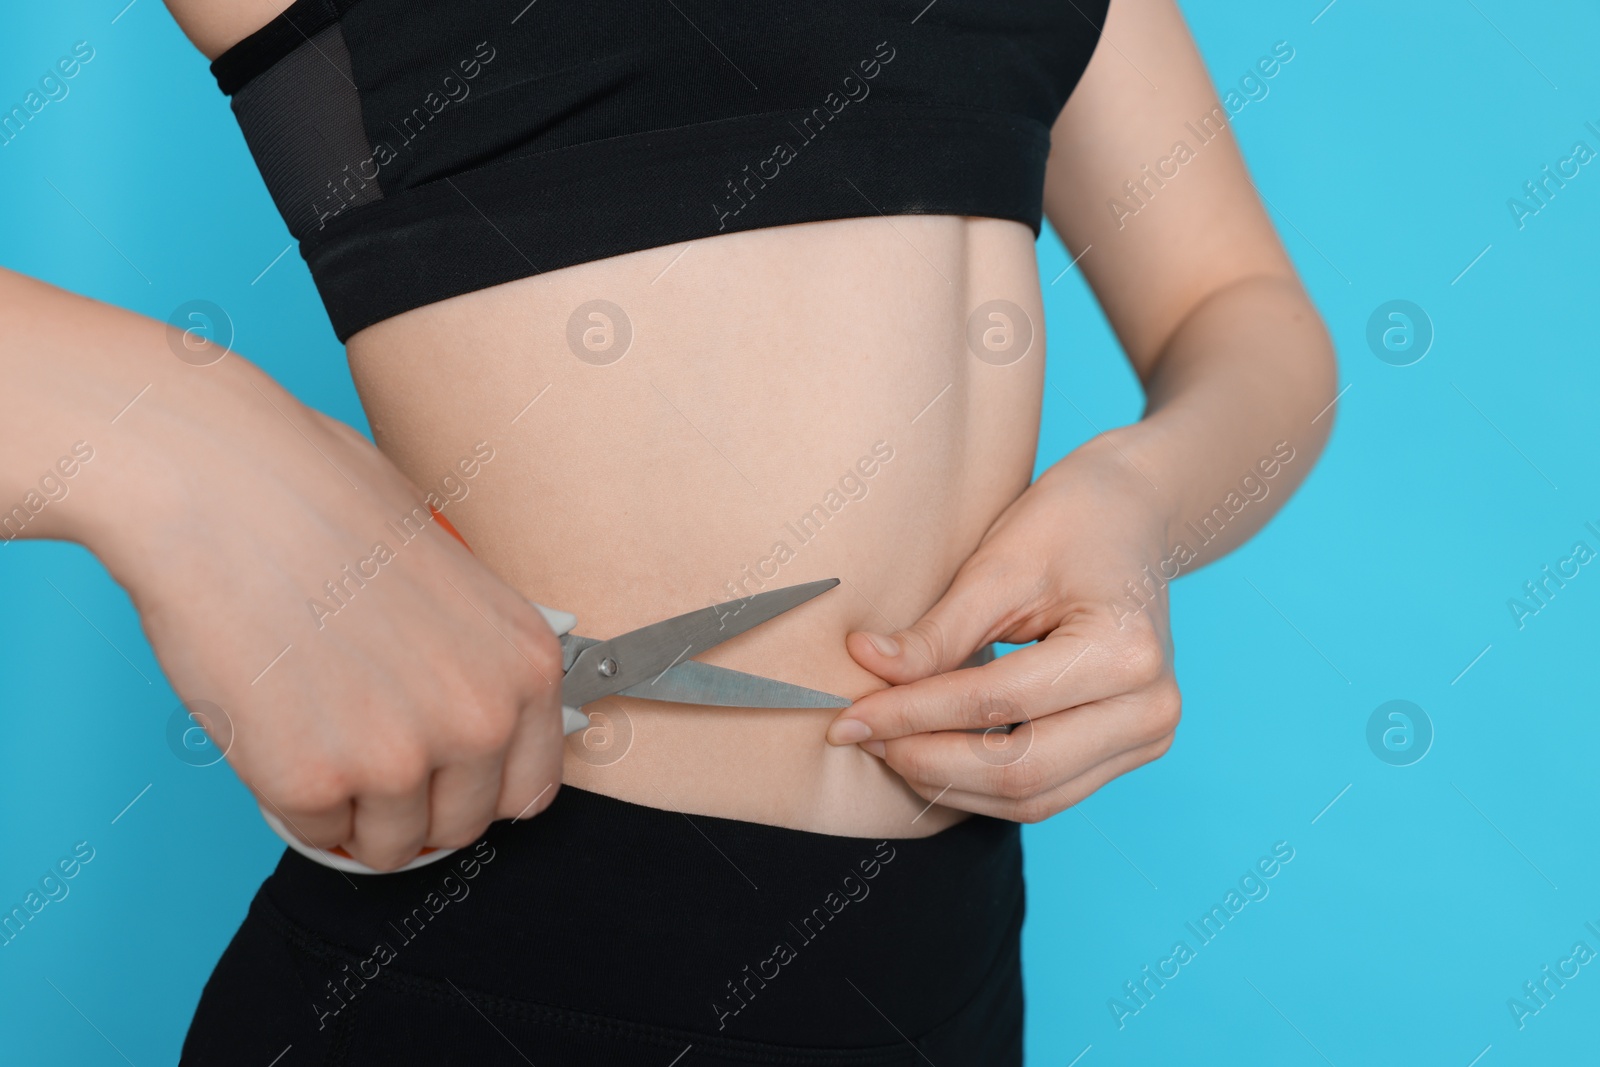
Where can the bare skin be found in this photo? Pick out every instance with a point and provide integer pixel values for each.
(764, 366)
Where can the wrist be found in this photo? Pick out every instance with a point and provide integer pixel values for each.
(1105, 519)
(38, 490)
(1214, 492)
(1124, 474)
(182, 450)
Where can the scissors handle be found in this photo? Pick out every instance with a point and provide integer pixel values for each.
(572, 720)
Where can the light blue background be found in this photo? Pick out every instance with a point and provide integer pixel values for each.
(1415, 905)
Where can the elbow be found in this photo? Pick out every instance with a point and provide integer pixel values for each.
(1290, 336)
(1319, 363)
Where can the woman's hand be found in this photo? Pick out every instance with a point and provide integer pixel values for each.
(379, 688)
(1095, 697)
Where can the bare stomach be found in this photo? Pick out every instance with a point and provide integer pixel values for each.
(788, 404)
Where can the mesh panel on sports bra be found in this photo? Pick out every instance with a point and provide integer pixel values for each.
(302, 121)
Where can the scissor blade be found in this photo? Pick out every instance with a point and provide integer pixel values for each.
(693, 682)
(640, 655)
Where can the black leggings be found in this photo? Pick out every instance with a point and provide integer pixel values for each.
(603, 932)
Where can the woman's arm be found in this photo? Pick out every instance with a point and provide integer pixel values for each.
(213, 28)
(385, 690)
(1238, 371)
(1189, 271)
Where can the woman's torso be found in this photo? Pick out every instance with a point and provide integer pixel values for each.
(789, 403)
(725, 453)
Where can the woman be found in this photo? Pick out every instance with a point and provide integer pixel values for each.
(702, 300)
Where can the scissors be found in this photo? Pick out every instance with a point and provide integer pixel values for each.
(653, 662)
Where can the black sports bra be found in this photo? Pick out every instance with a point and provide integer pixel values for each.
(420, 149)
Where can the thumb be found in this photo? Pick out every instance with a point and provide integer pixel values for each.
(965, 618)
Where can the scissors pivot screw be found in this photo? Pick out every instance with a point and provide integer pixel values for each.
(608, 667)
